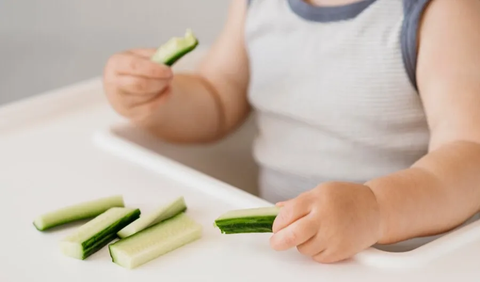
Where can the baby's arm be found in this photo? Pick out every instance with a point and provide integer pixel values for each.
(336, 220)
(442, 189)
(188, 108)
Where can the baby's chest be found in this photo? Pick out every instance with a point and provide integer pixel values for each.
(316, 81)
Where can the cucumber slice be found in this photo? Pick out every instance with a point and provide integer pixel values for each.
(161, 214)
(77, 212)
(155, 241)
(97, 233)
(175, 49)
(258, 220)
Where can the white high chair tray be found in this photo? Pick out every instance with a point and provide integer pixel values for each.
(68, 146)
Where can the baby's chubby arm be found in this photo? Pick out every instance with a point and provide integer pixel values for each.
(442, 189)
(439, 192)
(197, 107)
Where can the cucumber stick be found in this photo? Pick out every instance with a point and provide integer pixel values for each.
(175, 49)
(155, 241)
(258, 220)
(97, 233)
(77, 212)
(161, 214)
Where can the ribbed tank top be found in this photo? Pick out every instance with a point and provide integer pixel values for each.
(334, 91)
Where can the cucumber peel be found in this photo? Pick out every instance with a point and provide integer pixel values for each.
(163, 213)
(85, 210)
(257, 220)
(97, 233)
(172, 51)
(155, 241)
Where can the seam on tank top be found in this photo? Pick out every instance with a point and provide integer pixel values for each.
(413, 10)
(328, 14)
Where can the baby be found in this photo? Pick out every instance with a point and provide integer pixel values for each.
(368, 113)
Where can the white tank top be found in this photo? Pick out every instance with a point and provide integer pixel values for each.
(334, 92)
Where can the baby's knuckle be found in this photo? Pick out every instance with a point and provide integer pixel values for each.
(141, 85)
(283, 216)
(302, 201)
(327, 192)
(291, 237)
(133, 65)
(317, 192)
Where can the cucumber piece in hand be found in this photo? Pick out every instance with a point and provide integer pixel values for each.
(175, 49)
(155, 241)
(161, 214)
(257, 220)
(77, 212)
(97, 233)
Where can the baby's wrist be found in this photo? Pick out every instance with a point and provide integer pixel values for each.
(379, 220)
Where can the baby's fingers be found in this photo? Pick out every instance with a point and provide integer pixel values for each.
(295, 234)
(290, 212)
(313, 246)
(140, 85)
(132, 64)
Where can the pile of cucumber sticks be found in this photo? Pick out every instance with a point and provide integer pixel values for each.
(141, 239)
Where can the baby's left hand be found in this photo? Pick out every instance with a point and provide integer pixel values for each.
(330, 223)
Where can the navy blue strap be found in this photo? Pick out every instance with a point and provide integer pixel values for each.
(329, 14)
(414, 10)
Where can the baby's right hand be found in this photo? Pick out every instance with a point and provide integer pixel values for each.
(136, 86)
